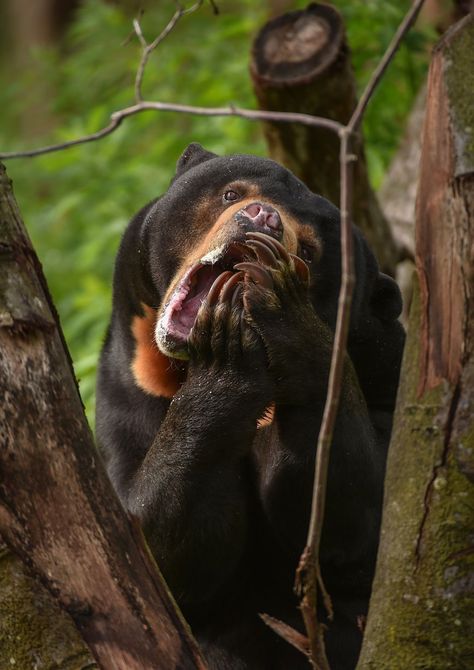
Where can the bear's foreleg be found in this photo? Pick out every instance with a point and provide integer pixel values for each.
(191, 490)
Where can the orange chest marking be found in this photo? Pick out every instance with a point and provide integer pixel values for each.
(158, 374)
(267, 417)
(153, 372)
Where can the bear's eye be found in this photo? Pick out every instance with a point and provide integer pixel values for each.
(306, 252)
(231, 196)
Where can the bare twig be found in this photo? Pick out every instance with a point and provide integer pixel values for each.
(379, 71)
(141, 105)
(31, 153)
(214, 6)
(138, 32)
(149, 48)
(308, 574)
(292, 636)
(117, 117)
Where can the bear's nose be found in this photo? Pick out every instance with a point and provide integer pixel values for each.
(264, 216)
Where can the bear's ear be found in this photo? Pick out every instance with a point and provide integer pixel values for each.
(376, 294)
(193, 155)
(386, 299)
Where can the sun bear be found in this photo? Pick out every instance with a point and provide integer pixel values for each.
(211, 388)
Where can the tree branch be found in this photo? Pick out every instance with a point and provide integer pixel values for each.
(308, 573)
(379, 71)
(140, 105)
(149, 48)
(117, 117)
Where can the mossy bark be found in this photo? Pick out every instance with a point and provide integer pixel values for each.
(422, 610)
(58, 511)
(34, 631)
(301, 63)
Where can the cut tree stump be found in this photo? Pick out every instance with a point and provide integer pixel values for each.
(300, 62)
(58, 511)
(421, 613)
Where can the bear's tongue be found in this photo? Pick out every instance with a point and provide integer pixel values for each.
(201, 283)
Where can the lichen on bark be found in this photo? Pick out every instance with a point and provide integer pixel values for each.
(459, 73)
(34, 632)
(422, 607)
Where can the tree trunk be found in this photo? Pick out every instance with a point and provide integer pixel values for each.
(58, 511)
(38, 23)
(301, 63)
(422, 609)
(29, 26)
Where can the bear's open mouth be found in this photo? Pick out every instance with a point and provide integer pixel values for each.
(180, 312)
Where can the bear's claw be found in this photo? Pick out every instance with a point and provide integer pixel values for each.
(301, 269)
(277, 248)
(264, 253)
(215, 290)
(257, 273)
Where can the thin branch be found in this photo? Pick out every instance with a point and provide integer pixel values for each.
(149, 48)
(292, 636)
(31, 153)
(138, 32)
(339, 347)
(386, 59)
(308, 575)
(214, 7)
(306, 589)
(117, 117)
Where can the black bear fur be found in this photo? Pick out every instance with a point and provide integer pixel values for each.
(224, 503)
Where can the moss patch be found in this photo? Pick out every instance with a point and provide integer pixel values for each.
(459, 73)
(34, 632)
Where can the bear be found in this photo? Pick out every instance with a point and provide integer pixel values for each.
(211, 388)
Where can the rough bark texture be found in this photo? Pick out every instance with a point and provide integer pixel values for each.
(300, 63)
(58, 511)
(422, 610)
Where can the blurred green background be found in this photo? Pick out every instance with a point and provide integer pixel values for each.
(76, 203)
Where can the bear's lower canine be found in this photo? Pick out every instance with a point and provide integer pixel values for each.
(211, 390)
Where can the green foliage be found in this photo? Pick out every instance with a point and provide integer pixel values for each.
(76, 203)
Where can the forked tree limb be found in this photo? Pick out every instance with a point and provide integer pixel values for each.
(148, 48)
(58, 510)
